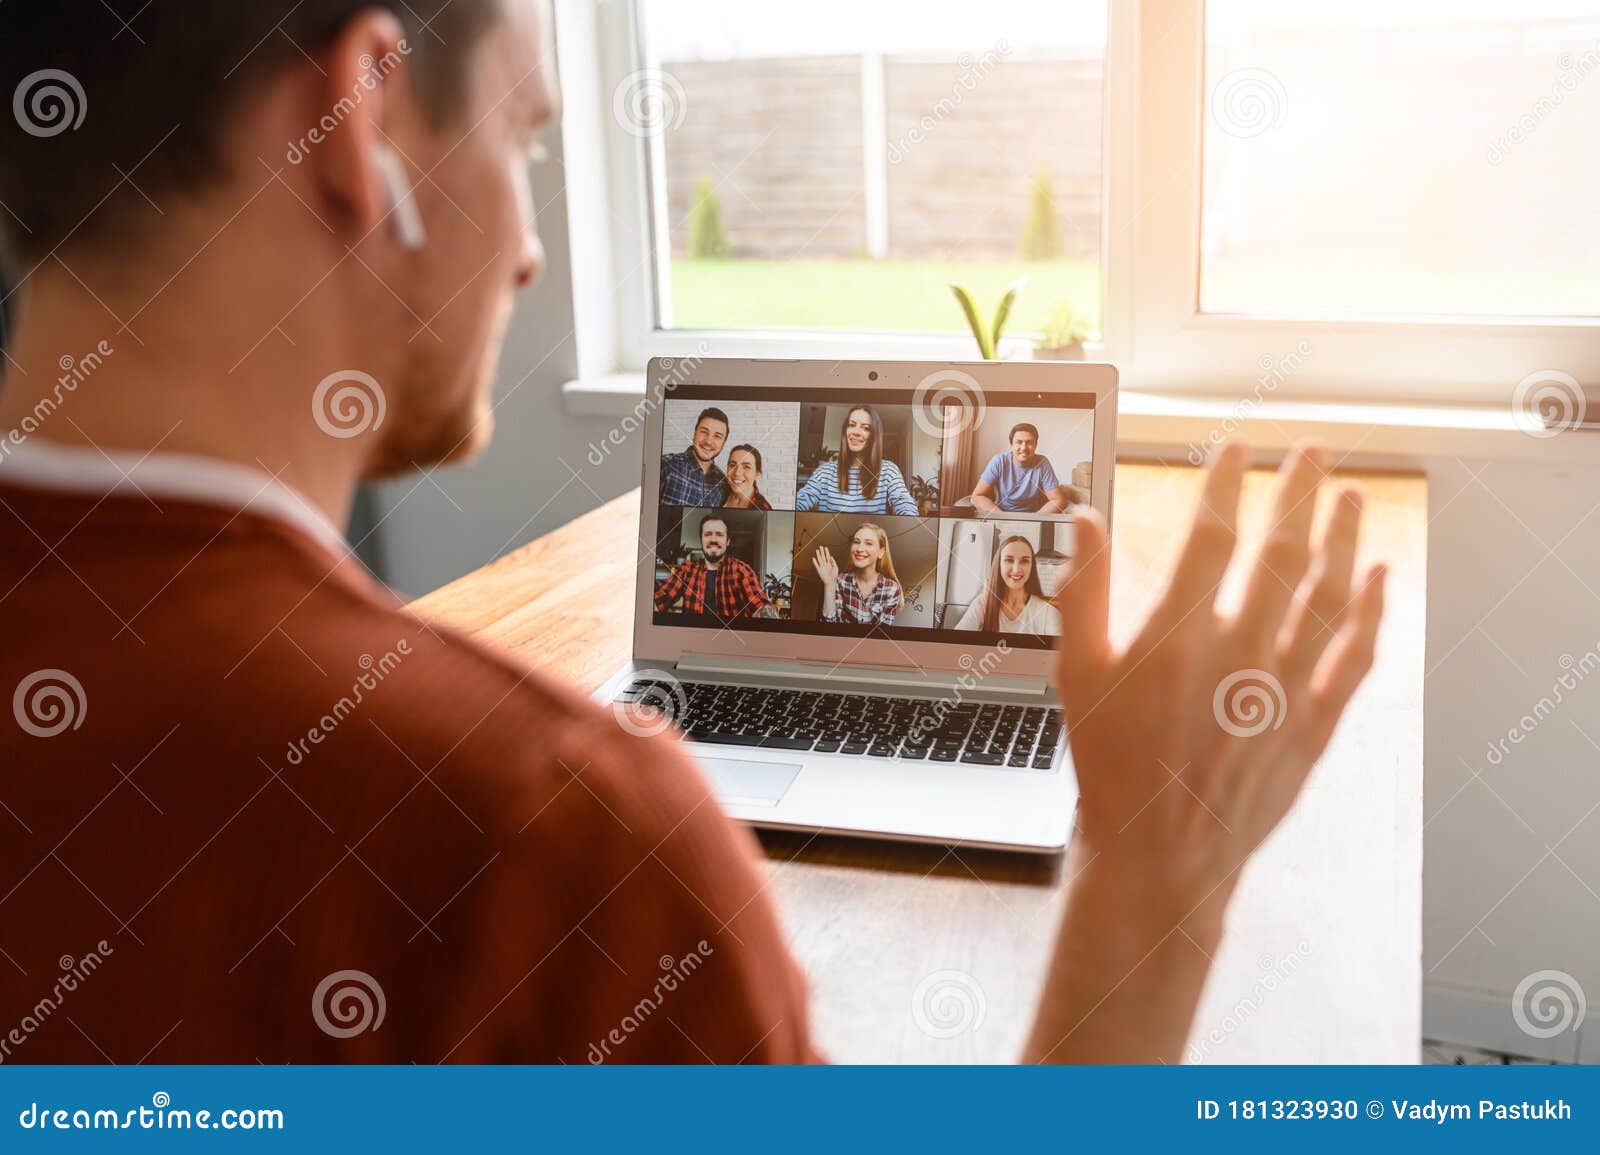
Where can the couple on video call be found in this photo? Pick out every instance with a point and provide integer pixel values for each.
(694, 478)
(859, 481)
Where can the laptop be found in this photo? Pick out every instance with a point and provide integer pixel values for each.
(844, 599)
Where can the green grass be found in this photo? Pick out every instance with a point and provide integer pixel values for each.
(868, 294)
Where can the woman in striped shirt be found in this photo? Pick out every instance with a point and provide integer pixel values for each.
(868, 592)
(860, 481)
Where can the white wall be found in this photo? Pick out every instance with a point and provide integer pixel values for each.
(1511, 882)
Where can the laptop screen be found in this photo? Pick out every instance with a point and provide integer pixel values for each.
(862, 513)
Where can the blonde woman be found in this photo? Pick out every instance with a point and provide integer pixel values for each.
(868, 593)
(1012, 601)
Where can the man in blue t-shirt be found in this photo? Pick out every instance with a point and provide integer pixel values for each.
(1020, 481)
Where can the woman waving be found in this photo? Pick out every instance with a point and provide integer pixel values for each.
(867, 593)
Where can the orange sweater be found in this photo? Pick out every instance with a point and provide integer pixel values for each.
(252, 810)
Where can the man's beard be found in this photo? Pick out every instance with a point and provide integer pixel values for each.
(419, 434)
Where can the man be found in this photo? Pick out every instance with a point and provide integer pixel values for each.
(714, 583)
(293, 823)
(1020, 481)
(692, 477)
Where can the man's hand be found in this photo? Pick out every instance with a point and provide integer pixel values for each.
(1190, 746)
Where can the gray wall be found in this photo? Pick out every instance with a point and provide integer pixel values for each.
(1511, 875)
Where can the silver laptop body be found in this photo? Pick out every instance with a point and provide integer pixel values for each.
(924, 727)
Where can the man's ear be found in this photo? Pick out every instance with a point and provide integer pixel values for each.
(367, 90)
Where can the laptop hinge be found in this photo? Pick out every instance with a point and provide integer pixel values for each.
(794, 670)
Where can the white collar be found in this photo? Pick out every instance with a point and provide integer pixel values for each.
(183, 477)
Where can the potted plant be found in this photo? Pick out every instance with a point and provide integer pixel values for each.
(779, 591)
(1063, 335)
(988, 333)
(925, 492)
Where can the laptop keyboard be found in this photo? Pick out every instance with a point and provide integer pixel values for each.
(917, 729)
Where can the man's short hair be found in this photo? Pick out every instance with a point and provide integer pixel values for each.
(154, 97)
(1022, 427)
(716, 415)
(708, 519)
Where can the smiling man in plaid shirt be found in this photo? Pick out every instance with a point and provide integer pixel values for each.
(716, 584)
(693, 477)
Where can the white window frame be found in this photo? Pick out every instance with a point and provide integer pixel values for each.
(1153, 132)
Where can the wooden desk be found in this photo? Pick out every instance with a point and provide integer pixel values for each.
(1322, 963)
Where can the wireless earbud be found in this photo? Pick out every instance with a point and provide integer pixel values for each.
(402, 205)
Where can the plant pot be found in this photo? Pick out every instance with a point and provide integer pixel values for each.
(1072, 352)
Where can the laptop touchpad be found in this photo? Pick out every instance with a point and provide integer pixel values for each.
(745, 783)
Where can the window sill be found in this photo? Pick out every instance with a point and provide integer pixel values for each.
(1175, 427)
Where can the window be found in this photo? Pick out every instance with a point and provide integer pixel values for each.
(1391, 196)
(840, 165)
(1402, 157)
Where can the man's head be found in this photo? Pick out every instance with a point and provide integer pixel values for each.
(260, 148)
(710, 433)
(713, 538)
(1024, 442)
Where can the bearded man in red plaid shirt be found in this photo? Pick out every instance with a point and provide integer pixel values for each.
(715, 584)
